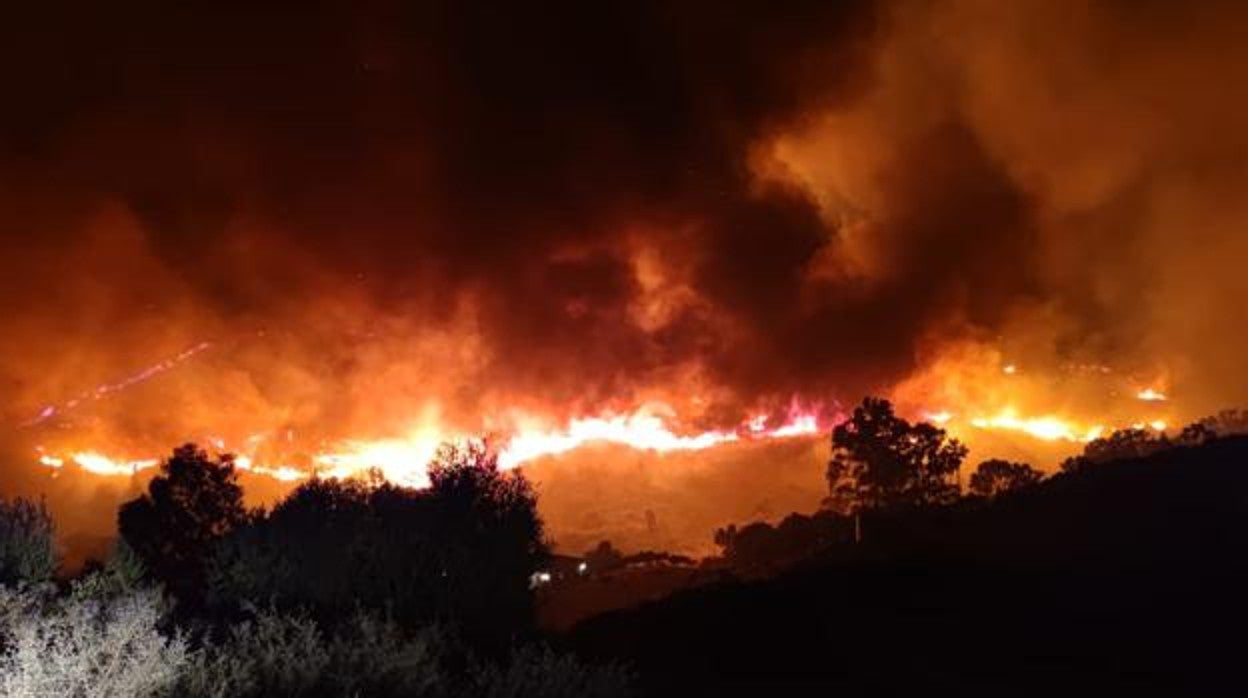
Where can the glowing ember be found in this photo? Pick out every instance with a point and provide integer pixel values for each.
(1150, 395)
(1009, 369)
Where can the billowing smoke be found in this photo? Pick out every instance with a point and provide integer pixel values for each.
(380, 214)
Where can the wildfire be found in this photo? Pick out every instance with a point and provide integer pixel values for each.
(402, 460)
(976, 390)
(285, 473)
(642, 431)
(107, 389)
(98, 463)
(1151, 395)
(1047, 428)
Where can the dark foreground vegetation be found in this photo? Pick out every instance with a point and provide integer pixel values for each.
(342, 589)
(1126, 570)
(1119, 573)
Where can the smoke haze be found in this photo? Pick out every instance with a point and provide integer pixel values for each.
(381, 215)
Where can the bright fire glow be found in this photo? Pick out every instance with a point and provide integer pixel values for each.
(100, 464)
(941, 417)
(402, 460)
(1151, 395)
(641, 431)
(1155, 425)
(285, 473)
(399, 460)
(1048, 428)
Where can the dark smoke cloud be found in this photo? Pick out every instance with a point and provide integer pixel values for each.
(427, 158)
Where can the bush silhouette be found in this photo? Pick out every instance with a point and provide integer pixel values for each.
(27, 546)
(459, 552)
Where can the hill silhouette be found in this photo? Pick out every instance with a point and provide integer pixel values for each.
(1127, 574)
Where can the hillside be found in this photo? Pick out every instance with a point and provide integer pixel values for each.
(1129, 574)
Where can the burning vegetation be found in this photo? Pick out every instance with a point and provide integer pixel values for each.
(651, 254)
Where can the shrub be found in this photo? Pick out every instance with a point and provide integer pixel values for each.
(27, 548)
(121, 573)
(540, 671)
(86, 645)
(270, 655)
(288, 655)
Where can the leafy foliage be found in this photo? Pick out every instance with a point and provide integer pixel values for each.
(881, 461)
(195, 501)
(995, 476)
(27, 546)
(121, 573)
(540, 671)
(86, 644)
(288, 655)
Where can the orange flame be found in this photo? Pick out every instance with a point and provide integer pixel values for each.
(402, 460)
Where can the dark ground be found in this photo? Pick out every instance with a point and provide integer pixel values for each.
(1128, 576)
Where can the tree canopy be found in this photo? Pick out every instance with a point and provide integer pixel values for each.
(192, 503)
(881, 461)
(995, 476)
(461, 551)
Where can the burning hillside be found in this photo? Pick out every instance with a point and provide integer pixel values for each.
(643, 226)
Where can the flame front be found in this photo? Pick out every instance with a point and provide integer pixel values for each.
(969, 392)
(1047, 428)
(402, 460)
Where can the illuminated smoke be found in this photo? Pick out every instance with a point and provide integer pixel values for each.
(417, 222)
(108, 389)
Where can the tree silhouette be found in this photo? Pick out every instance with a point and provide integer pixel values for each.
(761, 547)
(192, 503)
(461, 551)
(881, 461)
(1121, 444)
(1197, 433)
(995, 476)
(491, 539)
